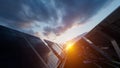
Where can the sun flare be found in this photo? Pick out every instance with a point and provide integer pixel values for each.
(69, 46)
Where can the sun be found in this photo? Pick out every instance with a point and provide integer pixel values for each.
(69, 45)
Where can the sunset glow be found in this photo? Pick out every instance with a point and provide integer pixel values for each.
(69, 45)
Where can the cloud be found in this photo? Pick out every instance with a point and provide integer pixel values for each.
(52, 16)
(76, 10)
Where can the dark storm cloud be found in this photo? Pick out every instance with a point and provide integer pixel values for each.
(59, 15)
(76, 10)
(23, 10)
(82, 9)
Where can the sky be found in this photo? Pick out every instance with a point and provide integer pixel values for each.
(56, 20)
